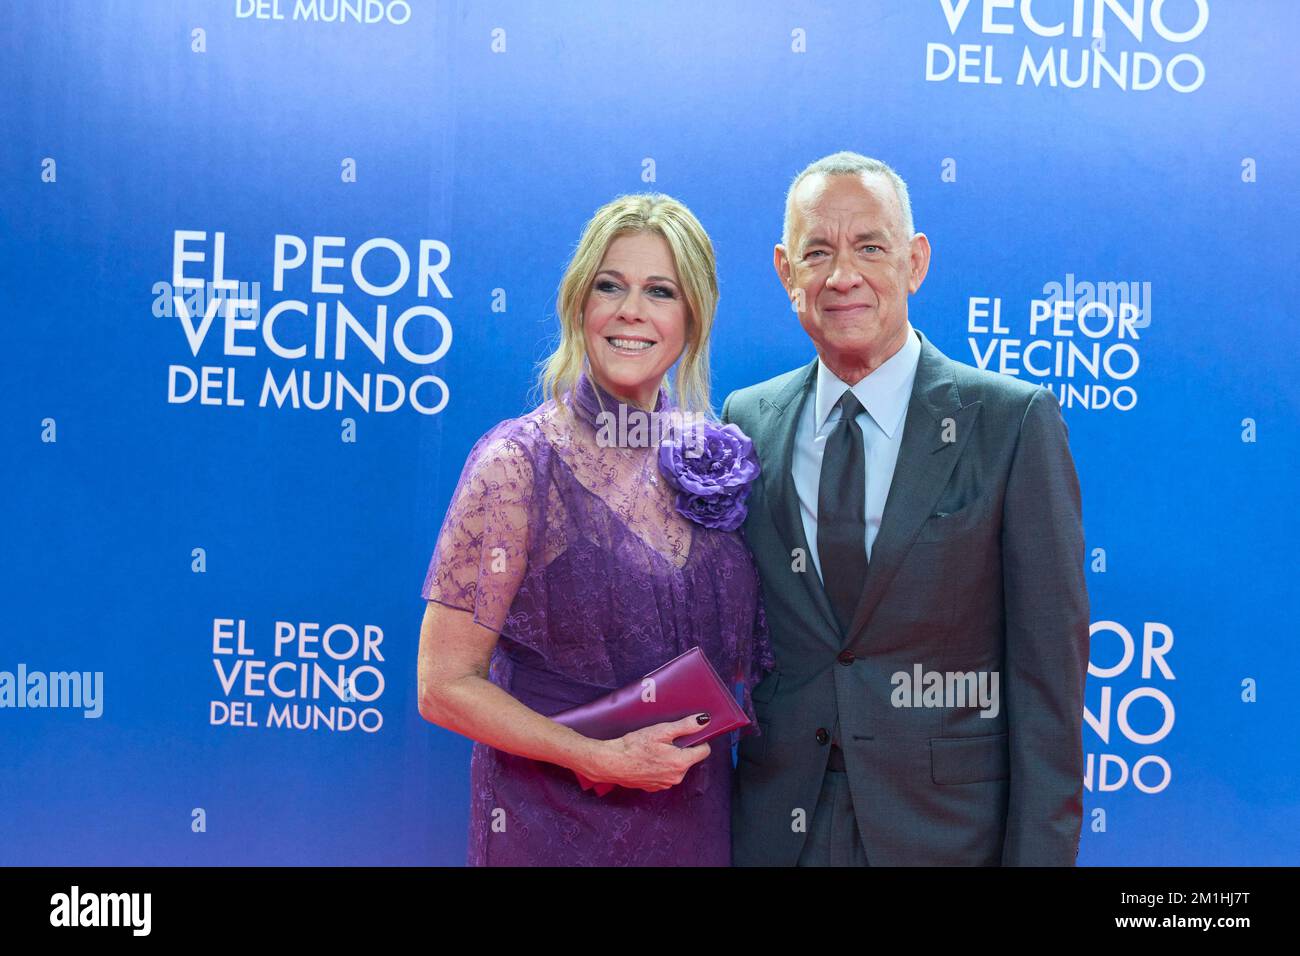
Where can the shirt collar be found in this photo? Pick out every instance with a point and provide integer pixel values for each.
(884, 393)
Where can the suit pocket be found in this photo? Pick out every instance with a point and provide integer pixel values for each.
(945, 526)
(969, 759)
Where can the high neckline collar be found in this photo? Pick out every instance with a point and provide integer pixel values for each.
(590, 398)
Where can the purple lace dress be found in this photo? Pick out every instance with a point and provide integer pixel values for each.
(575, 555)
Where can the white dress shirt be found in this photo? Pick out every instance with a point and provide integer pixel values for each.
(884, 395)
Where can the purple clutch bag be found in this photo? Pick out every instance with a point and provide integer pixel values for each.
(686, 685)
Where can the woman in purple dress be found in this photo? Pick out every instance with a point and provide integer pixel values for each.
(571, 562)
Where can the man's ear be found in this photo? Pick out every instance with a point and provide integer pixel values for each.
(781, 262)
(919, 263)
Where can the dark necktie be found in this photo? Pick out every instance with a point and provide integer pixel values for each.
(842, 513)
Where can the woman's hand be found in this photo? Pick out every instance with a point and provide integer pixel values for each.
(647, 759)
(454, 692)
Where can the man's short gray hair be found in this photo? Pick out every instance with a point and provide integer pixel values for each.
(842, 164)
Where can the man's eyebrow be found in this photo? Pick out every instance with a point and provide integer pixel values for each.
(620, 276)
(871, 235)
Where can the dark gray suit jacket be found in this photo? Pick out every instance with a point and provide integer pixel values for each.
(978, 566)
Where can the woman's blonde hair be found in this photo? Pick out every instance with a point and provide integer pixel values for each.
(696, 271)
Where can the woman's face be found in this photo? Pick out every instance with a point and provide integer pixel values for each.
(635, 317)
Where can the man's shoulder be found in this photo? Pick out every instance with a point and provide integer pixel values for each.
(746, 399)
(998, 393)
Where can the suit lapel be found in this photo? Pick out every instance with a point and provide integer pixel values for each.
(780, 421)
(936, 429)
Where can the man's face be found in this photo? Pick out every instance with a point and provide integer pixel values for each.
(850, 267)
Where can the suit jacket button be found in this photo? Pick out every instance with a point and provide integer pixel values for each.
(846, 657)
(823, 736)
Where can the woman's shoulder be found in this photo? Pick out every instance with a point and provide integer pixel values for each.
(523, 441)
(511, 439)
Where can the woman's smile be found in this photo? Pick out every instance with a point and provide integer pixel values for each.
(629, 346)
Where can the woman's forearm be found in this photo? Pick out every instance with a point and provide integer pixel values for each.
(477, 708)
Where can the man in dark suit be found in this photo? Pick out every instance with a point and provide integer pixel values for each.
(917, 527)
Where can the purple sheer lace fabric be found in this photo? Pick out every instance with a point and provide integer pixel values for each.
(574, 554)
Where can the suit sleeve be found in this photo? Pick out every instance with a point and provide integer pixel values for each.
(1047, 622)
(726, 409)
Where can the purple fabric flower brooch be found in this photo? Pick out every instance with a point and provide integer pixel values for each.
(711, 467)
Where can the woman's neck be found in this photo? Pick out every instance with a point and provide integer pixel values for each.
(647, 400)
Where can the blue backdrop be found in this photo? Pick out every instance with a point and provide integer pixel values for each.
(151, 506)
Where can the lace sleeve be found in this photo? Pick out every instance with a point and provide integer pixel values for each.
(482, 551)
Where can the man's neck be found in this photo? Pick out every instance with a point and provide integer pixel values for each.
(852, 367)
